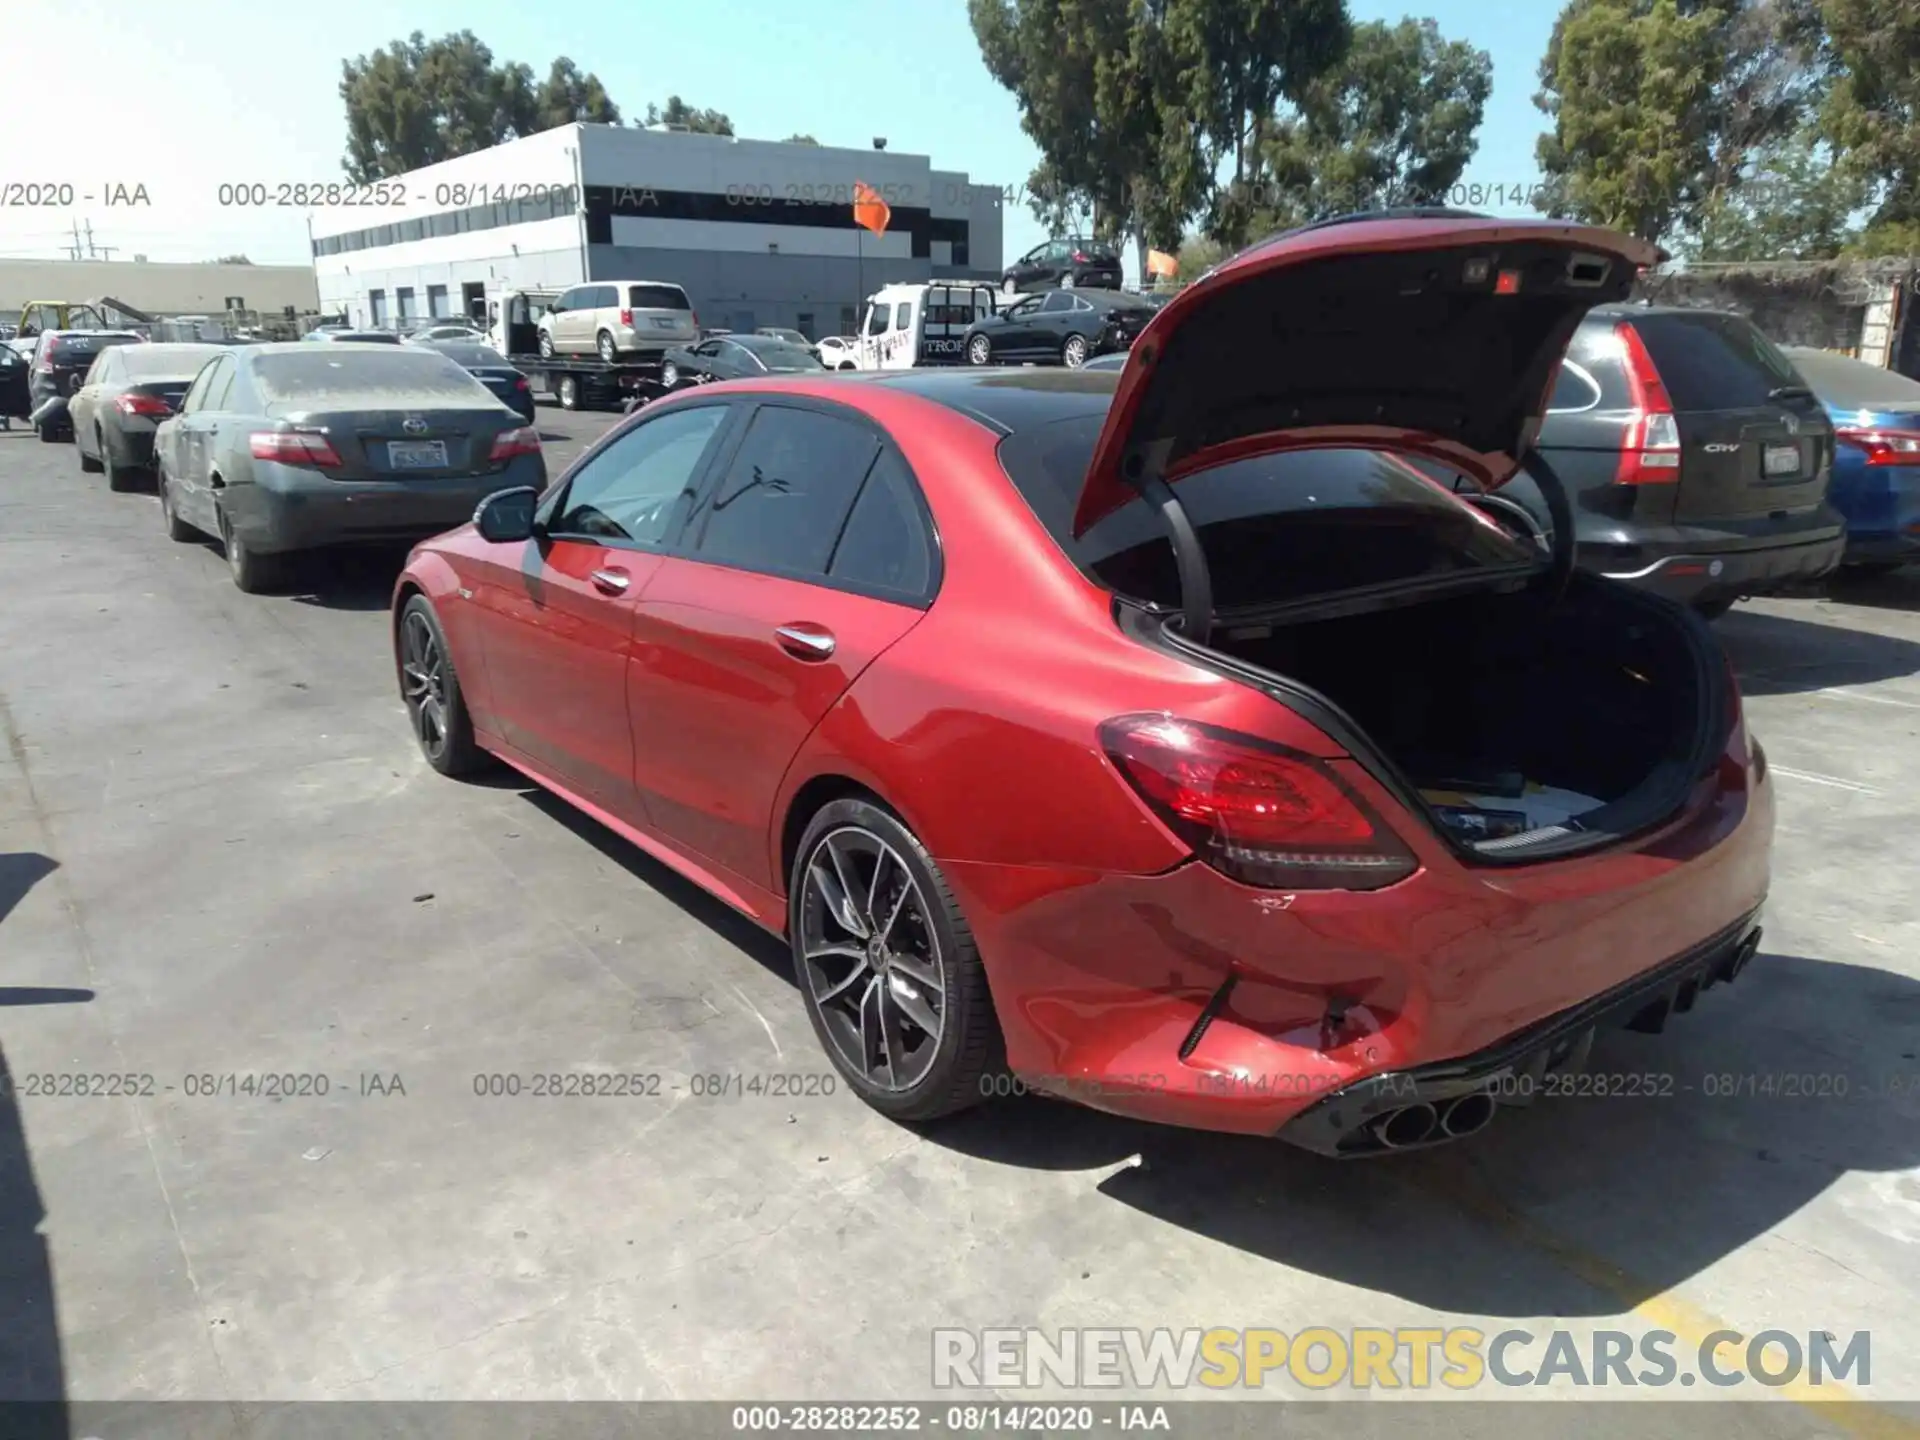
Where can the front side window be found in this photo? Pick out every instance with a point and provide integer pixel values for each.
(877, 317)
(787, 491)
(632, 489)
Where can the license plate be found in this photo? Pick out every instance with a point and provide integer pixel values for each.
(417, 454)
(660, 324)
(1783, 460)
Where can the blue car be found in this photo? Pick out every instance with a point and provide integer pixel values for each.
(1876, 465)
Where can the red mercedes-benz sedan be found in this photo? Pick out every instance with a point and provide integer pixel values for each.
(1210, 743)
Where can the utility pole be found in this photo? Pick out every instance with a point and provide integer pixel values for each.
(76, 240)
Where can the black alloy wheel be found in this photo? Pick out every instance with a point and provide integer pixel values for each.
(431, 689)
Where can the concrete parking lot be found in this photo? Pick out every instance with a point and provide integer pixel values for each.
(221, 856)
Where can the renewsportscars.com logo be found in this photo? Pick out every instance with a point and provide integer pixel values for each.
(1321, 1358)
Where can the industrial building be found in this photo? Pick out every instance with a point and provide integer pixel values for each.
(160, 288)
(757, 232)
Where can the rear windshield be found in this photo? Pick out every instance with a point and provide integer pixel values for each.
(657, 297)
(68, 348)
(1712, 361)
(394, 377)
(168, 362)
(1274, 527)
(777, 356)
(1854, 384)
(472, 355)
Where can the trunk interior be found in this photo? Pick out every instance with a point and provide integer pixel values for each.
(1520, 726)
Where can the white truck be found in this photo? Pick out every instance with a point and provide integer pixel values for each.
(909, 325)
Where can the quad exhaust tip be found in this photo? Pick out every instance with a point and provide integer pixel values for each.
(1409, 1125)
(1467, 1114)
(1423, 1124)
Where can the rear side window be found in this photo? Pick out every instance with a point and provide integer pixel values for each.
(657, 297)
(1712, 361)
(787, 492)
(885, 545)
(1274, 527)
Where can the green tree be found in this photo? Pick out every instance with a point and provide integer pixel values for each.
(679, 115)
(1237, 62)
(1791, 203)
(1629, 86)
(1394, 124)
(422, 101)
(1872, 113)
(801, 140)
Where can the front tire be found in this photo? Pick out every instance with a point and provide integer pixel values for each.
(604, 344)
(1073, 351)
(979, 351)
(176, 528)
(888, 969)
(431, 689)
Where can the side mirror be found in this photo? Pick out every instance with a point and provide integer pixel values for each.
(553, 309)
(506, 516)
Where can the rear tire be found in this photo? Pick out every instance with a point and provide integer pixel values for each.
(1067, 281)
(1073, 351)
(1009, 286)
(119, 478)
(979, 351)
(546, 346)
(608, 351)
(569, 391)
(430, 689)
(88, 465)
(253, 573)
(47, 435)
(1870, 569)
(867, 1019)
(669, 375)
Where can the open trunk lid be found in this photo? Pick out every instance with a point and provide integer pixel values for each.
(1435, 333)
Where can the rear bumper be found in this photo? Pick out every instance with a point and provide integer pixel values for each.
(285, 509)
(1525, 1065)
(1691, 575)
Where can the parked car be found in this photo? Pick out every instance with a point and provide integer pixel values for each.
(1143, 734)
(732, 357)
(1067, 262)
(836, 352)
(15, 401)
(444, 330)
(1876, 467)
(493, 370)
(780, 332)
(281, 448)
(1695, 460)
(1059, 327)
(356, 337)
(61, 360)
(129, 391)
(616, 318)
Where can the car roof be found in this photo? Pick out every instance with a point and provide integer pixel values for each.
(1007, 399)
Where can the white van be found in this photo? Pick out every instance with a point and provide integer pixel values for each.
(909, 325)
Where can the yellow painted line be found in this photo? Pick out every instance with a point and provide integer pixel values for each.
(1663, 1310)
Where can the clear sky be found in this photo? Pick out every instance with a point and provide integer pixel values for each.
(209, 91)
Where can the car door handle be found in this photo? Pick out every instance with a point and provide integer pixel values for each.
(804, 642)
(613, 580)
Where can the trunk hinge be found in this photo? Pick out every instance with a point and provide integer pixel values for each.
(1196, 582)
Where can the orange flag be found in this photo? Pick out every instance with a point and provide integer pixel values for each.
(1161, 263)
(869, 210)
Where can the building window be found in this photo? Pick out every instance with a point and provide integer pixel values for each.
(804, 324)
(377, 303)
(849, 317)
(404, 297)
(959, 258)
(437, 301)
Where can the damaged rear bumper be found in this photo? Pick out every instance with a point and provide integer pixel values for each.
(1450, 1099)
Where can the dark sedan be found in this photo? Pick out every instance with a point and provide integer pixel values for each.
(280, 448)
(735, 357)
(491, 369)
(1065, 327)
(61, 361)
(128, 392)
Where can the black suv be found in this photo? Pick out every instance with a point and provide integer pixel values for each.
(1066, 262)
(60, 364)
(1695, 459)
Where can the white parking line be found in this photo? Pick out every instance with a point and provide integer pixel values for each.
(1836, 783)
(1838, 693)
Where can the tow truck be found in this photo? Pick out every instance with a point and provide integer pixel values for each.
(576, 381)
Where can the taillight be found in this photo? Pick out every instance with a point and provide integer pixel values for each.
(149, 405)
(293, 447)
(1650, 449)
(509, 443)
(521, 383)
(1883, 447)
(693, 318)
(1264, 815)
(1079, 258)
(626, 317)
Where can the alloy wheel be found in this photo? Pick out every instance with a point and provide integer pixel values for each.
(669, 375)
(607, 352)
(546, 346)
(424, 672)
(979, 350)
(871, 958)
(1009, 286)
(1073, 354)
